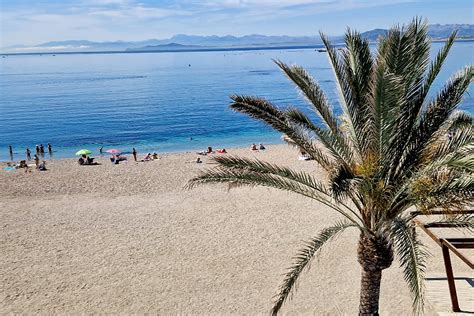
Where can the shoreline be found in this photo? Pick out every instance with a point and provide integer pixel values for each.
(48, 157)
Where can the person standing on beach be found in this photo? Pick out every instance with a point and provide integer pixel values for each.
(28, 154)
(134, 153)
(50, 149)
(10, 149)
(37, 161)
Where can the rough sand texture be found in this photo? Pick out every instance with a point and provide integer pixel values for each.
(128, 239)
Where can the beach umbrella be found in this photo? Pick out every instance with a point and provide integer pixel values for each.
(83, 152)
(113, 151)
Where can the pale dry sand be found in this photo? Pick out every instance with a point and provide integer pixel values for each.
(128, 239)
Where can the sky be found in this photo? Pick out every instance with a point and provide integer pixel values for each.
(31, 22)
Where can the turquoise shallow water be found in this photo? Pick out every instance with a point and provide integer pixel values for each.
(154, 102)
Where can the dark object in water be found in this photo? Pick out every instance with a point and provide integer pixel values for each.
(322, 50)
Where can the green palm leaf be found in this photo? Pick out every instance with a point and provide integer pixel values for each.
(303, 259)
(412, 256)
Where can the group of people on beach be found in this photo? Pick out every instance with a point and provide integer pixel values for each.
(23, 164)
(39, 148)
(115, 158)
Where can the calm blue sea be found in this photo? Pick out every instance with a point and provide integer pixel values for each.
(154, 101)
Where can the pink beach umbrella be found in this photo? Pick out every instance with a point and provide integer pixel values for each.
(113, 151)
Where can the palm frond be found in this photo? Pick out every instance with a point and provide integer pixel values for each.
(387, 98)
(313, 93)
(265, 111)
(457, 221)
(302, 261)
(416, 98)
(412, 255)
(456, 134)
(345, 92)
(435, 116)
(335, 144)
(242, 171)
(358, 68)
(436, 66)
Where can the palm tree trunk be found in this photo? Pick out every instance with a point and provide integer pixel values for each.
(370, 292)
(374, 255)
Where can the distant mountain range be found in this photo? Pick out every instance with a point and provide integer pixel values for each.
(183, 42)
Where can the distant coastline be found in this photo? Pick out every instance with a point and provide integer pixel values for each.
(182, 50)
(212, 43)
(191, 49)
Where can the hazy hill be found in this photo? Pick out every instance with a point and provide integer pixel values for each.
(183, 42)
(435, 31)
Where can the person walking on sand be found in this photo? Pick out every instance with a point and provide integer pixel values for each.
(28, 154)
(10, 149)
(134, 153)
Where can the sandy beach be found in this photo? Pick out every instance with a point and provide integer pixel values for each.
(128, 238)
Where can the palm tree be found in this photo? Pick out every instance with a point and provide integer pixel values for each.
(394, 148)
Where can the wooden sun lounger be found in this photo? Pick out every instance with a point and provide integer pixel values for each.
(447, 245)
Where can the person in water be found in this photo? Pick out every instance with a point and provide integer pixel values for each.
(134, 153)
(28, 154)
(50, 149)
(10, 149)
(37, 149)
(101, 150)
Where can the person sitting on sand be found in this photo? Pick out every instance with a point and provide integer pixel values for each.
(198, 160)
(154, 156)
(222, 151)
(253, 147)
(209, 150)
(23, 164)
(114, 160)
(42, 166)
(304, 156)
(261, 147)
(147, 157)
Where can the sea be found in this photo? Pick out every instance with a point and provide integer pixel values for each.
(157, 102)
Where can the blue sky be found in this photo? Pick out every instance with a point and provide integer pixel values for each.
(36, 21)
